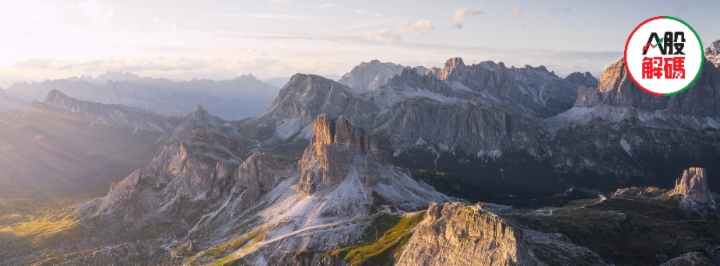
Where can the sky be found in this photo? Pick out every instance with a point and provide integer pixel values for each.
(52, 39)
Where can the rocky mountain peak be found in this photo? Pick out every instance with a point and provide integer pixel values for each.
(201, 115)
(693, 185)
(450, 66)
(582, 79)
(371, 75)
(336, 146)
(453, 63)
(56, 97)
(200, 109)
(712, 52)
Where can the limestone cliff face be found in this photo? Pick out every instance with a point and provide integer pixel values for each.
(108, 114)
(335, 147)
(457, 234)
(475, 126)
(618, 90)
(371, 75)
(693, 185)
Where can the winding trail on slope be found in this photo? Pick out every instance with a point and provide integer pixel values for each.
(240, 253)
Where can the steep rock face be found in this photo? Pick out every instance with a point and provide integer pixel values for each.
(693, 185)
(114, 115)
(712, 52)
(303, 99)
(257, 176)
(451, 65)
(582, 79)
(335, 147)
(370, 76)
(475, 126)
(457, 234)
(626, 131)
(533, 89)
(197, 161)
(617, 89)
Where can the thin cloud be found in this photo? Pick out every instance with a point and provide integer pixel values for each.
(460, 13)
(421, 26)
(516, 12)
(458, 17)
(386, 36)
(390, 36)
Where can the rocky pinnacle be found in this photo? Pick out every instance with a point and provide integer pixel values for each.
(336, 144)
(693, 185)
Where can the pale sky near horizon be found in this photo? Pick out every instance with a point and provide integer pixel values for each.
(51, 39)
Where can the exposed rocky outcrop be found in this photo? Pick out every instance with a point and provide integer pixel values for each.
(336, 147)
(618, 90)
(371, 75)
(625, 129)
(582, 79)
(108, 114)
(712, 52)
(457, 234)
(693, 185)
(451, 65)
(475, 126)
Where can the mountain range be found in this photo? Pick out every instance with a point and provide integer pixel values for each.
(233, 99)
(393, 165)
